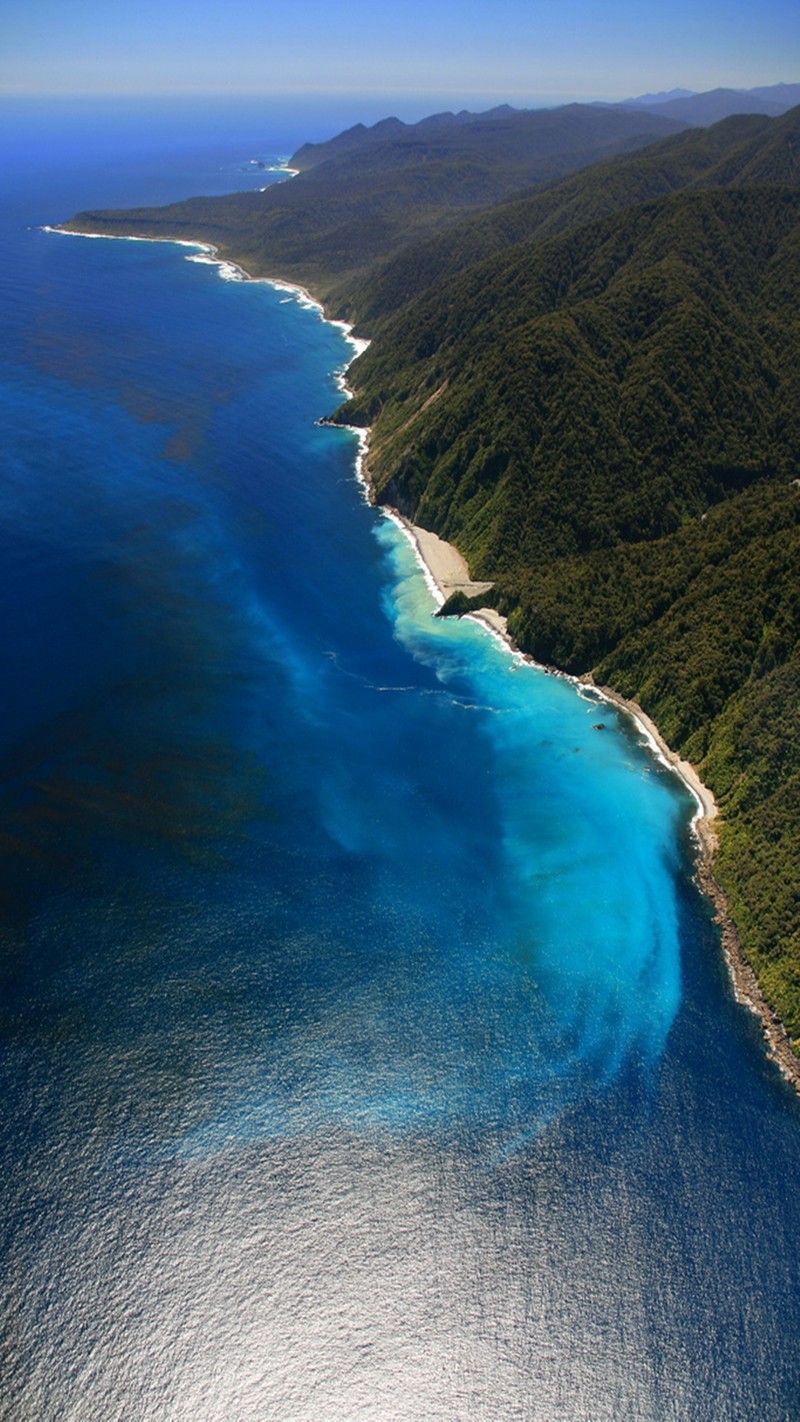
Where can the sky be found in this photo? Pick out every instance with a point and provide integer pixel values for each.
(520, 51)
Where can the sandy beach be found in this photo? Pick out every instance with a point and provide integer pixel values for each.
(447, 567)
(447, 571)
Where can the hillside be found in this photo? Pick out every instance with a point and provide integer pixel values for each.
(433, 132)
(606, 334)
(376, 193)
(747, 150)
(716, 104)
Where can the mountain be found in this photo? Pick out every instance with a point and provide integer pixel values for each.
(378, 192)
(743, 150)
(787, 95)
(555, 367)
(718, 104)
(359, 137)
(527, 145)
(648, 101)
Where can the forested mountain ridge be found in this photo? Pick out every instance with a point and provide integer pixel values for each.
(718, 104)
(534, 140)
(594, 390)
(746, 150)
(592, 361)
(331, 224)
(360, 137)
(682, 106)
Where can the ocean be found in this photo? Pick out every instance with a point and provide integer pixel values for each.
(367, 1049)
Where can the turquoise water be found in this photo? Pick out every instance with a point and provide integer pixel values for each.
(367, 1050)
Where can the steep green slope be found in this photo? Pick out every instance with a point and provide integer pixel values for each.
(717, 104)
(742, 151)
(331, 224)
(608, 423)
(599, 387)
(539, 142)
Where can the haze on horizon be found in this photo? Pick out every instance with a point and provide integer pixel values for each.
(521, 51)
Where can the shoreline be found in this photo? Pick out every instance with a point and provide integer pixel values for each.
(208, 255)
(446, 570)
(230, 270)
(746, 987)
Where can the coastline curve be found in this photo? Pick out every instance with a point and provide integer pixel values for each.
(446, 569)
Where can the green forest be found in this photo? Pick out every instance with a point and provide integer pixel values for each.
(586, 375)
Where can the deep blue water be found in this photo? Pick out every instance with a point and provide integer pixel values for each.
(367, 1051)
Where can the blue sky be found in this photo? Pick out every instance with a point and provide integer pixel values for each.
(520, 50)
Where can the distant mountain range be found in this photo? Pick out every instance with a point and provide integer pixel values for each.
(646, 101)
(585, 372)
(527, 145)
(367, 193)
(716, 104)
(391, 141)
